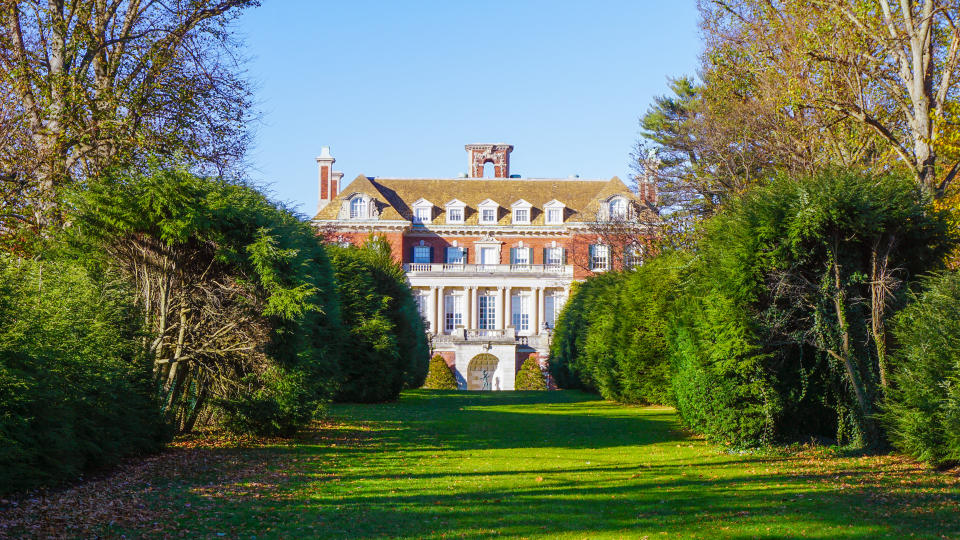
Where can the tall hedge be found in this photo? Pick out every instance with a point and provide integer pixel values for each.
(780, 331)
(387, 344)
(76, 388)
(612, 334)
(922, 411)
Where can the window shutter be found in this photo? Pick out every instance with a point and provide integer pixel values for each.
(563, 255)
(545, 255)
(529, 255)
(513, 255)
(431, 254)
(465, 261)
(592, 249)
(413, 253)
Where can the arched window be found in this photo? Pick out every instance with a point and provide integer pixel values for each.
(618, 208)
(358, 208)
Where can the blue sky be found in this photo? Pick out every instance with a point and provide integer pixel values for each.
(397, 88)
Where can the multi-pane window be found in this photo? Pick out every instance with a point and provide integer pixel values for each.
(456, 255)
(520, 313)
(632, 256)
(488, 312)
(618, 208)
(521, 215)
(453, 311)
(599, 257)
(549, 311)
(422, 303)
(421, 254)
(520, 255)
(358, 208)
(553, 256)
(488, 215)
(421, 215)
(455, 215)
(554, 216)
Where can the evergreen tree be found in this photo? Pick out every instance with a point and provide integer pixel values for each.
(439, 377)
(530, 376)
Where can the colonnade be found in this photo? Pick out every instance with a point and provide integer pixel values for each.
(436, 305)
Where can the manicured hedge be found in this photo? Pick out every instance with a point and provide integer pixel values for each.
(923, 409)
(530, 376)
(76, 388)
(439, 377)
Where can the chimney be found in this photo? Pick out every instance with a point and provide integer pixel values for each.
(496, 153)
(329, 179)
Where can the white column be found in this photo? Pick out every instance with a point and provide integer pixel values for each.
(475, 307)
(441, 306)
(501, 308)
(434, 325)
(468, 305)
(541, 307)
(507, 300)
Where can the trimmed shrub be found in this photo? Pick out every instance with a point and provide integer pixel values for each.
(613, 333)
(530, 376)
(76, 388)
(388, 344)
(922, 411)
(440, 377)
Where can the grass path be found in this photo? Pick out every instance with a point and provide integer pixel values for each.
(534, 465)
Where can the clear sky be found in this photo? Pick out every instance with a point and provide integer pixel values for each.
(397, 88)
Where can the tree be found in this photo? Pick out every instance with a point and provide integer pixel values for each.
(90, 84)
(786, 310)
(439, 376)
(388, 347)
(923, 410)
(890, 68)
(530, 376)
(238, 295)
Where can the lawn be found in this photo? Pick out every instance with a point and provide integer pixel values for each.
(523, 464)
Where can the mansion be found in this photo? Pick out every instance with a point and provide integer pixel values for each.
(490, 259)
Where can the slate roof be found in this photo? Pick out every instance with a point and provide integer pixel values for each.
(395, 196)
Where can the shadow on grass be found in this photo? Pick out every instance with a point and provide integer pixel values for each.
(530, 464)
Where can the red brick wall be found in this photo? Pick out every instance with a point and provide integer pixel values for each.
(450, 357)
(325, 183)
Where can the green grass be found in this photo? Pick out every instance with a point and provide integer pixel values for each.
(543, 465)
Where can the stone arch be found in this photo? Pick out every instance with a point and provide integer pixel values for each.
(480, 372)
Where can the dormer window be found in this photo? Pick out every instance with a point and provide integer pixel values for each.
(488, 212)
(617, 208)
(521, 212)
(456, 210)
(554, 212)
(422, 211)
(358, 207)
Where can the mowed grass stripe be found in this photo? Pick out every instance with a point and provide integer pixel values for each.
(556, 465)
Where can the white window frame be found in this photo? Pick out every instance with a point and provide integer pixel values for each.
(460, 208)
(358, 207)
(486, 312)
(421, 255)
(456, 255)
(599, 257)
(517, 256)
(552, 207)
(632, 256)
(554, 256)
(520, 313)
(617, 208)
(452, 311)
(522, 212)
(487, 206)
(550, 311)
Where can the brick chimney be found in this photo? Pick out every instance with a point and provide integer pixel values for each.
(496, 153)
(329, 179)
